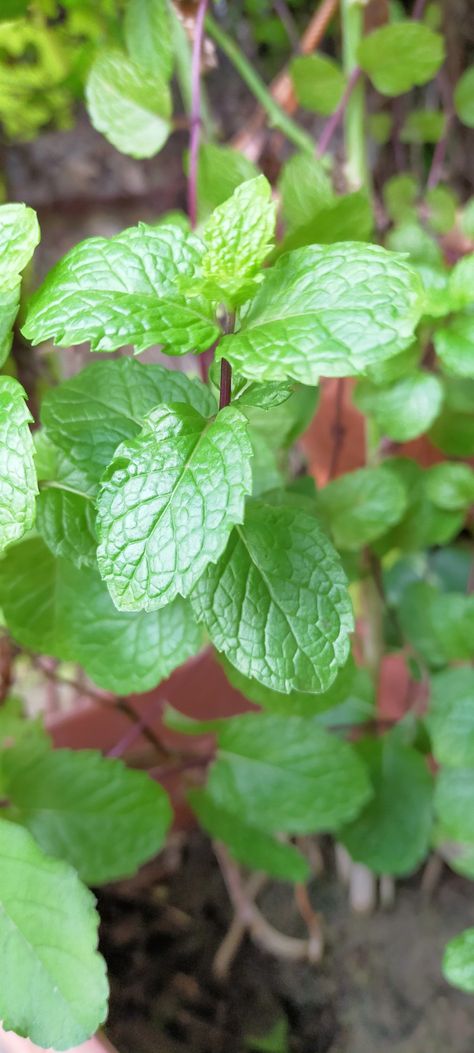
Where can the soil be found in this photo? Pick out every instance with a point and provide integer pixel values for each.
(379, 988)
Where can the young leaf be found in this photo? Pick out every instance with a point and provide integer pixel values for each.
(147, 27)
(392, 834)
(401, 56)
(454, 345)
(454, 803)
(318, 82)
(19, 236)
(52, 607)
(238, 236)
(276, 603)
(220, 171)
(281, 773)
(123, 290)
(326, 310)
(458, 960)
(450, 486)
(362, 505)
(450, 717)
(18, 486)
(54, 988)
(105, 404)
(66, 522)
(92, 811)
(168, 503)
(305, 189)
(464, 97)
(248, 844)
(406, 408)
(130, 105)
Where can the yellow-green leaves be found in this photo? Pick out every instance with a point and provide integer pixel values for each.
(318, 82)
(18, 486)
(130, 105)
(168, 503)
(148, 37)
(400, 56)
(464, 97)
(458, 961)
(19, 236)
(238, 236)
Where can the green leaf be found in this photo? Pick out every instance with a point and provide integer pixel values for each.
(453, 431)
(106, 404)
(346, 218)
(54, 987)
(318, 82)
(450, 486)
(401, 56)
(466, 218)
(392, 834)
(454, 345)
(19, 731)
(305, 188)
(147, 27)
(351, 687)
(250, 846)
(238, 236)
(424, 524)
(380, 127)
(123, 290)
(66, 522)
(9, 306)
(454, 803)
(281, 773)
(458, 961)
(13, 9)
(261, 396)
(450, 717)
(52, 607)
(19, 236)
(92, 811)
(399, 196)
(168, 503)
(442, 203)
(17, 471)
(362, 505)
(406, 408)
(130, 105)
(331, 310)
(439, 625)
(423, 126)
(461, 283)
(276, 603)
(220, 170)
(464, 97)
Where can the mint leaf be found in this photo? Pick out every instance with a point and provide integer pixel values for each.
(220, 170)
(399, 197)
(9, 306)
(276, 603)
(129, 104)
(406, 408)
(106, 404)
(450, 717)
(424, 524)
(362, 505)
(262, 396)
(454, 800)
(168, 503)
(461, 283)
(147, 27)
(52, 607)
(252, 847)
(423, 126)
(19, 731)
(331, 311)
(464, 97)
(453, 431)
(281, 773)
(318, 82)
(454, 345)
(450, 486)
(66, 522)
(17, 472)
(19, 236)
(392, 834)
(54, 987)
(458, 961)
(401, 56)
(238, 236)
(305, 188)
(442, 203)
(92, 811)
(440, 625)
(346, 218)
(123, 290)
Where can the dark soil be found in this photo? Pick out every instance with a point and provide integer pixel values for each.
(378, 990)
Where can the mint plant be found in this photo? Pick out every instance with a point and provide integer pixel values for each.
(153, 512)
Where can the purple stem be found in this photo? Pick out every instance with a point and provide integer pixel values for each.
(418, 9)
(195, 121)
(439, 155)
(333, 123)
(136, 731)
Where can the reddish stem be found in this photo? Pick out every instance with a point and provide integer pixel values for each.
(195, 120)
(333, 123)
(226, 384)
(418, 9)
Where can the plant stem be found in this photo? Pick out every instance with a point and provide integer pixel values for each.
(195, 120)
(354, 112)
(418, 9)
(334, 121)
(278, 118)
(439, 155)
(226, 384)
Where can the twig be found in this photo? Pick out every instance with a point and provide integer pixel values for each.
(313, 924)
(333, 123)
(232, 940)
(338, 430)
(195, 118)
(140, 727)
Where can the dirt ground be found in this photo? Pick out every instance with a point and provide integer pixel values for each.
(378, 990)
